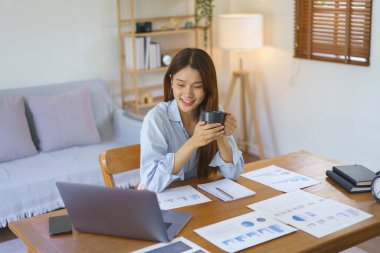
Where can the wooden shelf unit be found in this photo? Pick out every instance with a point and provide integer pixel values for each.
(163, 32)
(131, 91)
(131, 71)
(156, 18)
(132, 104)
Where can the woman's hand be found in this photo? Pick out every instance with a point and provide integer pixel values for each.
(206, 133)
(230, 123)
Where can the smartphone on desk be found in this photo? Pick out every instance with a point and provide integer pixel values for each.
(60, 225)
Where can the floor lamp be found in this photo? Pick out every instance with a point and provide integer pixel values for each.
(242, 32)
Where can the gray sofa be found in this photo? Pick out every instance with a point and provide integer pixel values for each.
(28, 185)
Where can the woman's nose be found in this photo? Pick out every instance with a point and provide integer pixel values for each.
(189, 91)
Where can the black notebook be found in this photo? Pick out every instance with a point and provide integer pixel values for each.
(346, 184)
(358, 175)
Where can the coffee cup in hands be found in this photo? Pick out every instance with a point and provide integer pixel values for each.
(213, 117)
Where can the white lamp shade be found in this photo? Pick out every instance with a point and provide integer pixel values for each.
(240, 31)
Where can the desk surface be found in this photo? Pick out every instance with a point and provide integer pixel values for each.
(34, 231)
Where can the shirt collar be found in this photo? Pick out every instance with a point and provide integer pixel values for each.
(174, 111)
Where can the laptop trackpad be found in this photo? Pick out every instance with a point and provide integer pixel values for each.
(176, 221)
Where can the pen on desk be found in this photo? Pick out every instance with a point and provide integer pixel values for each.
(222, 191)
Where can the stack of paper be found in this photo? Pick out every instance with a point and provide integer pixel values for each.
(227, 190)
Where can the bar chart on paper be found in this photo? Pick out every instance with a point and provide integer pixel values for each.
(179, 197)
(244, 231)
(280, 179)
(308, 212)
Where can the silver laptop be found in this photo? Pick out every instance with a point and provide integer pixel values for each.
(120, 212)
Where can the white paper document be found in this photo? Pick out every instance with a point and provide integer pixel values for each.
(226, 190)
(177, 245)
(280, 179)
(179, 197)
(313, 214)
(244, 231)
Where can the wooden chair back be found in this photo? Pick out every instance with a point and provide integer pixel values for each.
(118, 160)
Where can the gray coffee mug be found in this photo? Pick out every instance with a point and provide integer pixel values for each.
(213, 117)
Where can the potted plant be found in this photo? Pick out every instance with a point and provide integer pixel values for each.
(203, 13)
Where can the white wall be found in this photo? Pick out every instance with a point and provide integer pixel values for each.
(327, 108)
(45, 41)
(51, 41)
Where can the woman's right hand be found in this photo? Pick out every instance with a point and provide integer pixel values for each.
(206, 133)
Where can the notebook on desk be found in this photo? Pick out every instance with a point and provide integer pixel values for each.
(358, 175)
(226, 190)
(347, 185)
(120, 212)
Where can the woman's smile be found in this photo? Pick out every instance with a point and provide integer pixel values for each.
(187, 102)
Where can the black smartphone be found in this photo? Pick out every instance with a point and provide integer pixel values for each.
(59, 225)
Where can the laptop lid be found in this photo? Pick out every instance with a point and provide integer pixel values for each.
(119, 212)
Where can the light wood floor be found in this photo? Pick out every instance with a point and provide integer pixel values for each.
(371, 246)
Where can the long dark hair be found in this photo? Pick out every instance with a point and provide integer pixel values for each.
(199, 60)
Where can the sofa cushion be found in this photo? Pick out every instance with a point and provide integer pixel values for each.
(102, 104)
(15, 139)
(64, 120)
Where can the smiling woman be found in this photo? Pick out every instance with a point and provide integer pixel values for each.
(175, 143)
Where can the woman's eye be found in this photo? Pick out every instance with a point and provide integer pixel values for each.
(198, 86)
(180, 85)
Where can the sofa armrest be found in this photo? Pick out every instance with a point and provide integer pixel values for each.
(127, 128)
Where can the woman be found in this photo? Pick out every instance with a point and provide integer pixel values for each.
(174, 143)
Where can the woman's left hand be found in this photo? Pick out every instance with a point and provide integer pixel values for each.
(230, 123)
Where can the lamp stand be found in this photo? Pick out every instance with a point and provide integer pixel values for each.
(245, 89)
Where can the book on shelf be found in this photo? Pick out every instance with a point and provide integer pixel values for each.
(154, 55)
(139, 52)
(158, 55)
(358, 175)
(226, 190)
(347, 185)
(148, 53)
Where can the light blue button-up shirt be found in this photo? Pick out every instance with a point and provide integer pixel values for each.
(162, 134)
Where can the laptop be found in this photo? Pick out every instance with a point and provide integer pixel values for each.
(120, 212)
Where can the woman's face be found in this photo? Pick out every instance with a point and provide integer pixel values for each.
(188, 90)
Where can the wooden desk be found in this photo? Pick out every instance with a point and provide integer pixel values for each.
(34, 231)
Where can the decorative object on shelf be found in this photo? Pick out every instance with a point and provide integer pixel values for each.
(203, 11)
(146, 98)
(166, 59)
(188, 25)
(148, 27)
(165, 27)
(175, 23)
(243, 32)
(144, 27)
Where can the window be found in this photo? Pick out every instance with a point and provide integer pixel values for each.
(333, 30)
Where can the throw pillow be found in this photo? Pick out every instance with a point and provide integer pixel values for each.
(64, 120)
(15, 139)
